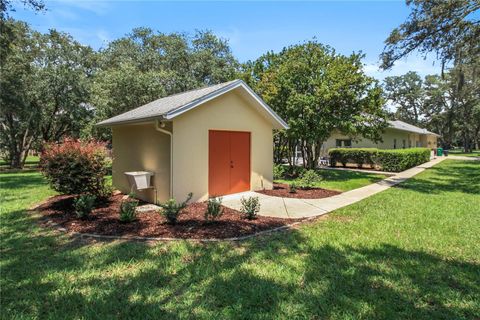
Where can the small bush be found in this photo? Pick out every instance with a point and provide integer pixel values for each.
(292, 188)
(214, 209)
(84, 204)
(309, 178)
(128, 209)
(171, 209)
(279, 171)
(250, 207)
(290, 172)
(76, 167)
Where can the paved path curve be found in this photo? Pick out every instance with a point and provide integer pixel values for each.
(303, 208)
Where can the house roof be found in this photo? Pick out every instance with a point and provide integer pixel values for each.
(174, 105)
(400, 125)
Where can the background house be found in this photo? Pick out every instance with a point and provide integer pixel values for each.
(399, 135)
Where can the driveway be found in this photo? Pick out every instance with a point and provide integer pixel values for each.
(305, 208)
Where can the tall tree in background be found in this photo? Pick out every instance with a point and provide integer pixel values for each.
(145, 66)
(45, 89)
(317, 91)
(406, 93)
(451, 30)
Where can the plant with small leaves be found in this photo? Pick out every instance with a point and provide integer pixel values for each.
(250, 207)
(292, 188)
(128, 209)
(309, 178)
(171, 209)
(214, 209)
(84, 204)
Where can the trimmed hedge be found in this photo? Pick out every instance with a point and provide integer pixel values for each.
(392, 160)
(402, 159)
(360, 156)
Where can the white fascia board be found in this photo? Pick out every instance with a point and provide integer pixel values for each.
(174, 113)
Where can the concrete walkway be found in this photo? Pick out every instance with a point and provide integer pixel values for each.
(305, 208)
(462, 158)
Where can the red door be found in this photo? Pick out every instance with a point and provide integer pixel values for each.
(228, 162)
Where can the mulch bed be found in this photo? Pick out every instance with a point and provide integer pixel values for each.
(104, 220)
(282, 190)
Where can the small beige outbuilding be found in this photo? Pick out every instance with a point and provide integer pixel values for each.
(211, 141)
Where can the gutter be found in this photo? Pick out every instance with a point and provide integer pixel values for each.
(158, 127)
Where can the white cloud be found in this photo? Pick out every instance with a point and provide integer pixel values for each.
(413, 63)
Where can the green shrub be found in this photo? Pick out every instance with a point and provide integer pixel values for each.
(359, 156)
(402, 159)
(292, 188)
(279, 171)
(84, 204)
(75, 167)
(293, 172)
(128, 208)
(250, 207)
(171, 209)
(214, 209)
(309, 178)
(392, 160)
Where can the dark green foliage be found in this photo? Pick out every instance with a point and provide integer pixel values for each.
(292, 188)
(388, 160)
(309, 178)
(402, 159)
(279, 171)
(214, 209)
(76, 167)
(128, 209)
(171, 209)
(84, 204)
(250, 207)
(360, 156)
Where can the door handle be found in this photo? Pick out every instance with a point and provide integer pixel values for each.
(231, 164)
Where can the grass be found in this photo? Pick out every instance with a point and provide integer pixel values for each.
(411, 252)
(474, 153)
(342, 180)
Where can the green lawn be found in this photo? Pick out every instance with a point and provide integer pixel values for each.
(474, 153)
(343, 180)
(411, 252)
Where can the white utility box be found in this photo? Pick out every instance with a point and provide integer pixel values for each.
(140, 179)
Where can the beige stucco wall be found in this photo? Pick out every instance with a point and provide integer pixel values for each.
(388, 138)
(190, 143)
(141, 148)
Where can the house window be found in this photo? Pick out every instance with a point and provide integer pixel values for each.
(409, 143)
(417, 144)
(404, 143)
(394, 143)
(346, 143)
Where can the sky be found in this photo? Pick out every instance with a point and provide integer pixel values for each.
(252, 28)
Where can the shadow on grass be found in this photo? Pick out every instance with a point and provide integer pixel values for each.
(344, 175)
(9, 181)
(284, 275)
(459, 176)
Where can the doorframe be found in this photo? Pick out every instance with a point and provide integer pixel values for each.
(249, 160)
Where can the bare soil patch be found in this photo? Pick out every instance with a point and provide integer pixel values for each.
(283, 190)
(104, 220)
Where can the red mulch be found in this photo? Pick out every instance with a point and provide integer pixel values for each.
(104, 220)
(282, 190)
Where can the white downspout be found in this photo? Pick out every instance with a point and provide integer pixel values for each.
(159, 128)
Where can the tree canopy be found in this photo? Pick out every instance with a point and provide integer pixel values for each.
(317, 91)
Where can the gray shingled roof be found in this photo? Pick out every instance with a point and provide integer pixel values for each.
(400, 125)
(162, 106)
